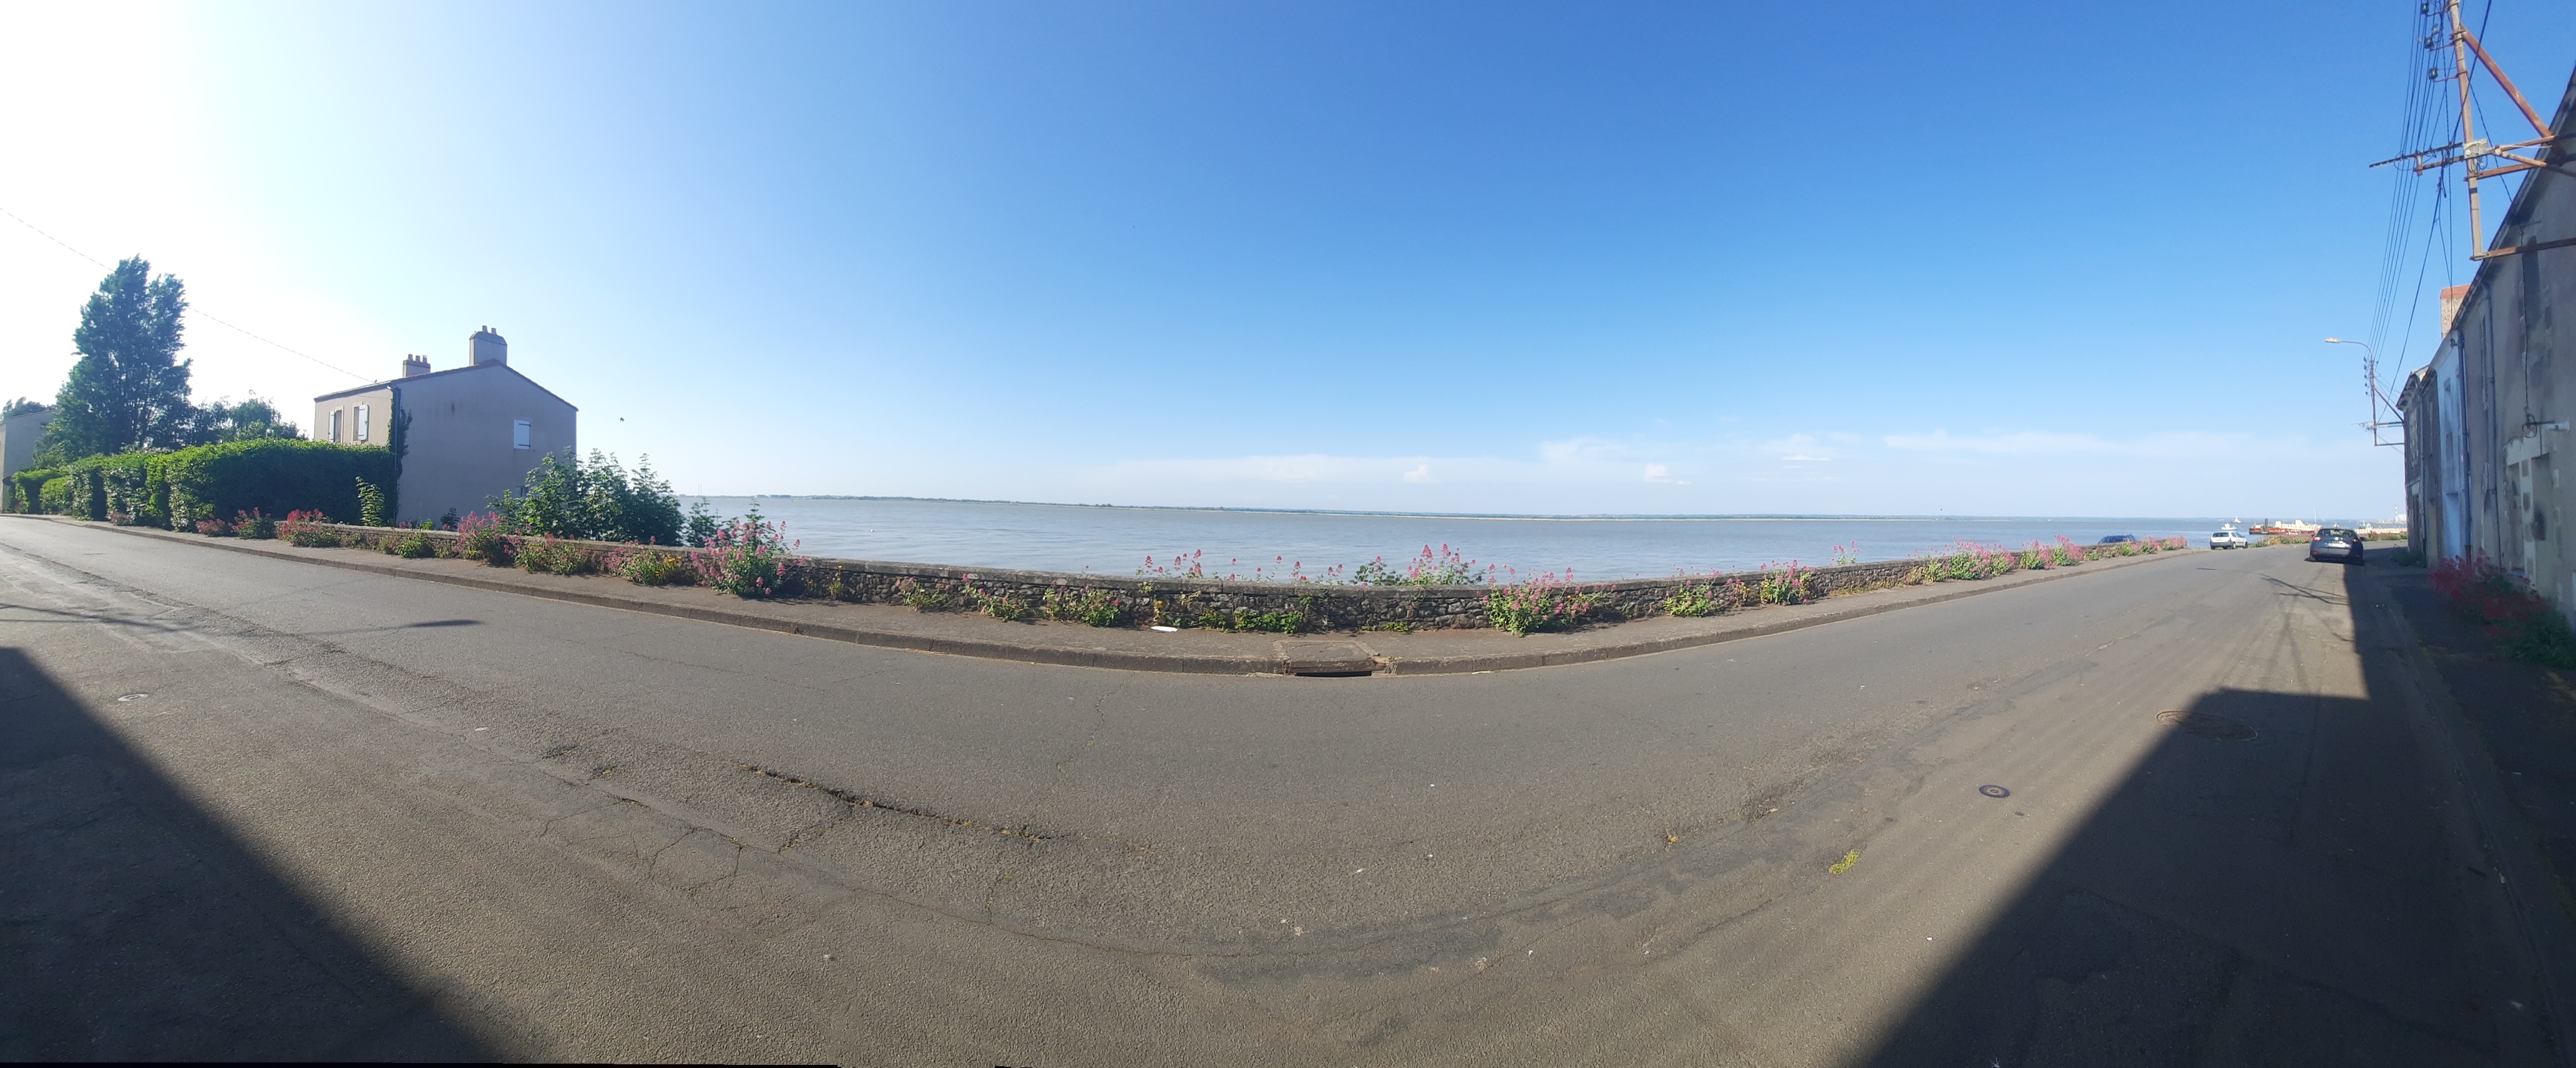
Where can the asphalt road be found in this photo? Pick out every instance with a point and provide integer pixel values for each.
(257, 808)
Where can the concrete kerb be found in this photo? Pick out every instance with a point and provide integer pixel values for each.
(1262, 655)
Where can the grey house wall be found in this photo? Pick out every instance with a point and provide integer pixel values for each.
(19, 438)
(460, 447)
(2486, 419)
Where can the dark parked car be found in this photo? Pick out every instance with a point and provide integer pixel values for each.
(2115, 539)
(2335, 543)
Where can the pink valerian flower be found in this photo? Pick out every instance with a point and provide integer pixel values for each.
(749, 558)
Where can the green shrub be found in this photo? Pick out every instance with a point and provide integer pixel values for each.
(920, 596)
(1245, 619)
(1446, 567)
(251, 524)
(1278, 622)
(78, 489)
(1002, 605)
(1691, 601)
(411, 547)
(651, 567)
(371, 505)
(1543, 603)
(130, 487)
(598, 501)
(1789, 585)
(180, 489)
(2542, 637)
(308, 529)
(275, 475)
(751, 558)
(2524, 624)
(479, 537)
(837, 587)
(1099, 608)
(555, 556)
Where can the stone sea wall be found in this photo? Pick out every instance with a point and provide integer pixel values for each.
(1185, 602)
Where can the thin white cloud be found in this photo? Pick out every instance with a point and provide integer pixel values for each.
(1582, 450)
(1421, 475)
(1800, 449)
(2163, 446)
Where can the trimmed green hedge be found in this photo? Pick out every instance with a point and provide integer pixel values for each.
(275, 475)
(88, 488)
(57, 495)
(176, 489)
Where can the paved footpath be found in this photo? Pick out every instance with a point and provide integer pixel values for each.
(253, 807)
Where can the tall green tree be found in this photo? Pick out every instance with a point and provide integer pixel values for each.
(129, 390)
(222, 420)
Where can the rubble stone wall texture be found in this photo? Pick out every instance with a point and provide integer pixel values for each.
(1325, 607)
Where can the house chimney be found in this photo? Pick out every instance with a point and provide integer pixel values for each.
(2452, 298)
(487, 347)
(415, 366)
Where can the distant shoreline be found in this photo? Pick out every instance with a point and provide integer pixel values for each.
(1500, 516)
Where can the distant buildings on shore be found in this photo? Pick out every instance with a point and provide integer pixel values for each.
(466, 434)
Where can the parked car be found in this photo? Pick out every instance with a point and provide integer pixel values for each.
(2228, 539)
(2115, 539)
(2335, 543)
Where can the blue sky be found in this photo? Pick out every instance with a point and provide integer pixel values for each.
(1655, 258)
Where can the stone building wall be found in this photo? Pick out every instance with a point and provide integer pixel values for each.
(2487, 414)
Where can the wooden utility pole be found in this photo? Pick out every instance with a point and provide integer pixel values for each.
(2471, 150)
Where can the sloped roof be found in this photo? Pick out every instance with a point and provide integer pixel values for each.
(374, 386)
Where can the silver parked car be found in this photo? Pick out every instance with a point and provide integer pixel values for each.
(2228, 539)
(2335, 543)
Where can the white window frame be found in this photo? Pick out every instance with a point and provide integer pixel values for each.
(335, 426)
(362, 422)
(519, 433)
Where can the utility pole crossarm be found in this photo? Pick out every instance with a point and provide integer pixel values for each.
(2528, 112)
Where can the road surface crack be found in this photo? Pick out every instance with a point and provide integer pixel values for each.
(856, 799)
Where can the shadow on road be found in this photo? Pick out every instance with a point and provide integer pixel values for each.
(135, 928)
(2287, 898)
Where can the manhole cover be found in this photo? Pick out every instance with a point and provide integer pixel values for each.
(2205, 725)
(1994, 791)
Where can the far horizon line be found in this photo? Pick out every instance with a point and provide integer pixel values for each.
(1568, 517)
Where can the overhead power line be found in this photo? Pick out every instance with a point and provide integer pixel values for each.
(200, 312)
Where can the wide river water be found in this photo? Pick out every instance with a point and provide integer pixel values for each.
(1117, 541)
